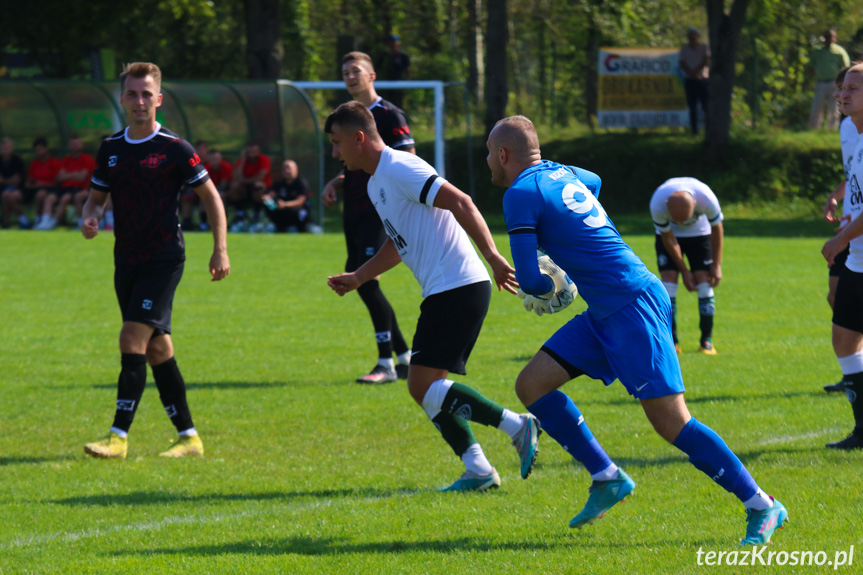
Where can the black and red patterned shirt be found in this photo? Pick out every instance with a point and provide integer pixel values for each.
(145, 178)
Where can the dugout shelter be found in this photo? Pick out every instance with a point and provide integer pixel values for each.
(277, 115)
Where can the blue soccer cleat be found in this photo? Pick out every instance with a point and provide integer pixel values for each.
(526, 443)
(470, 481)
(760, 525)
(603, 496)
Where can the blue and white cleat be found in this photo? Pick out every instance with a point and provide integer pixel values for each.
(603, 496)
(526, 443)
(470, 481)
(760, 525)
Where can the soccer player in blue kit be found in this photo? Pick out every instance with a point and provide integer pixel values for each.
(625, 333)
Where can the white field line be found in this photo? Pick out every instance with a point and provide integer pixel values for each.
(810, 435)
(69, 537)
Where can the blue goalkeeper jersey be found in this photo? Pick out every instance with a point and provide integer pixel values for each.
(555, 207)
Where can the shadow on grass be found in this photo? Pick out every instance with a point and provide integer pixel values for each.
(692, 399)
(340, 546)
(4, 461)
(162, 497)
(214, 385)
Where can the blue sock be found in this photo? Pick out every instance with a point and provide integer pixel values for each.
(708, 453)
(561, 419)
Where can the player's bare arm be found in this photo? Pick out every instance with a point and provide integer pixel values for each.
(717, 235)
(841, 240)
(92, 213)
(220, 265)
(833, 202)
(669, 240)
(468, 216)
(386, 259)
(330, 195)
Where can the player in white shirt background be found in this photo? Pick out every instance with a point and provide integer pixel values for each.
(430, 224)
(688, 222)
(848, 308)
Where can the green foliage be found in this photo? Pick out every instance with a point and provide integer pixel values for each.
(758, 168)
(307, 472)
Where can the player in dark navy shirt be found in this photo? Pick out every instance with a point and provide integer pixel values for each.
(364, 232)
(143, 170)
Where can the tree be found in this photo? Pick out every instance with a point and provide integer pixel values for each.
(264, 50)
(724, 42)
(496, 87)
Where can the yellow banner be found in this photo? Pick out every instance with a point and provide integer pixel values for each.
(641, 92)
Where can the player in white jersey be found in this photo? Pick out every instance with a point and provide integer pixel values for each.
(848, 307)
(430, 224)
(688, 222)
(847, 141)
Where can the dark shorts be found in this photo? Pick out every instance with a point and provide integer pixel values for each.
(289, 217)
(697, 251)
(364, 238)
(839, 262)
(145, 292)
(60, 191)
(448, 326)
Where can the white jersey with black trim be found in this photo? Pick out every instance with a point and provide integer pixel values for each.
(853, 203)
(429, 240)
(707, 211)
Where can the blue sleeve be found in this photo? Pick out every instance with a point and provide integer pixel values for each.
(527, 274)
(589, 179)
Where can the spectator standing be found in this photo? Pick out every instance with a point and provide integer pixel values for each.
(12, 175)
(824, 64)
(695, 65)
(394, 65)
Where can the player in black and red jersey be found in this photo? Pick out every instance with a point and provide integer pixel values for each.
(143, 170)
(364, 232)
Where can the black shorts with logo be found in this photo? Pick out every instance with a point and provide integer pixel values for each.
(839, 262)
(449, 325)
(697, 251)
(364, 238)
(145, 292)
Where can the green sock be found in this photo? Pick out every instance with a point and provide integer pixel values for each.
(467, 403)
(455, 431)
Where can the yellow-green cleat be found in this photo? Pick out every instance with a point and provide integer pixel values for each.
(112, 446)
(184, 446)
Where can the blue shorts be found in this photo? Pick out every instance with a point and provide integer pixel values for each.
(633, 345)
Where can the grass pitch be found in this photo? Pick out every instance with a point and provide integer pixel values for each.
(307, 472)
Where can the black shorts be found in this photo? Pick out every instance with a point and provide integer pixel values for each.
(839, 262)
(448, 326)
(364, 238)
(697, 251)
(848, 307)
(145, 292)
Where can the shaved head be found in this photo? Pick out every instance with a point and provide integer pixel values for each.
(681, 206)
(518, 135)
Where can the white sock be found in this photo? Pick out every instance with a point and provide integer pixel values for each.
(851, 363)
(404, 358)
(610, 472)
(387, 362)
(511, 423)
(120, 432)
(759, 502)
(436, 393)
(474, 460)
(189, 432)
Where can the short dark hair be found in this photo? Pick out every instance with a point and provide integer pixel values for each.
(361, 57)
(353, 114)
(40, 141)
(141, 70)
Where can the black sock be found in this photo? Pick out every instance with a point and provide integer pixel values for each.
(455, 431)
(467, 403)
(130, 388)
(674, 319)
(382, 316)
(172, 392)
(706, 310)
